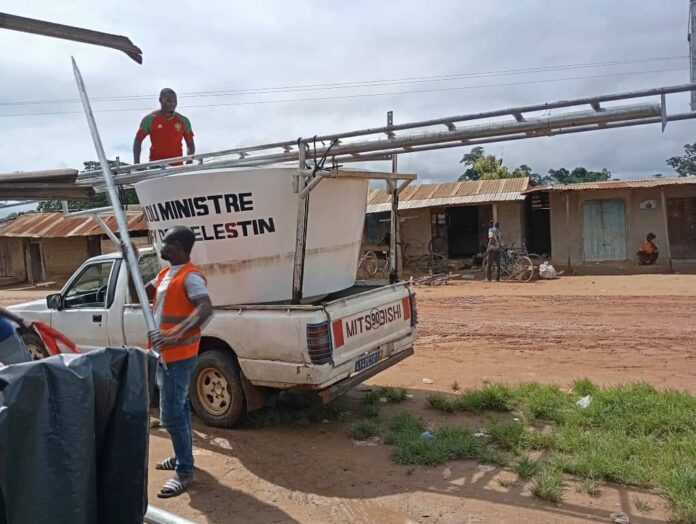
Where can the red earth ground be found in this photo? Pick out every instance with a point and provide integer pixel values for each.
(610, 329)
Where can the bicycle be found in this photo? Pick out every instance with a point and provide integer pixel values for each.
(513, 265)
(370, 266)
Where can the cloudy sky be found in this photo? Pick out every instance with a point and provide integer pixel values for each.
(224, 46)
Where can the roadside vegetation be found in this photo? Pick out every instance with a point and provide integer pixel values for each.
(632, 435)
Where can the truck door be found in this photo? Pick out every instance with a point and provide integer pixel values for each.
(86, 301)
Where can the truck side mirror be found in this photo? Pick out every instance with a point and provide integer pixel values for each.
(54, 301)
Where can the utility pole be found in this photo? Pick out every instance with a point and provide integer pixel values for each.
(692, 49)
(394, 240)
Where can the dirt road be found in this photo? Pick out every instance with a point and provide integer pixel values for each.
(610, 329)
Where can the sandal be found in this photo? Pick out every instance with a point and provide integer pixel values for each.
(168, 464)
(174, 487)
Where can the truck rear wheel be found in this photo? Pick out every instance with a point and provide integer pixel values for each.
(35, 345)
(216, 389)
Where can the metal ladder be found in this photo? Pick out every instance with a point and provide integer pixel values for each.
(384, 143)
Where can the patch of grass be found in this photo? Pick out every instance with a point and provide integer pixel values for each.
(525, 467)
(539, 402)
(630, 434)
(455, 386)
(584, 387)
(643, 506)
(590, 486)
(447, 444)
(404, 433)
(440, 402)
(681, 491)
(491, 397)
(370, 410)
(364, 429)
(538, 440)
(392, 395)
(512, 436)
(549, 483)
(402, 428)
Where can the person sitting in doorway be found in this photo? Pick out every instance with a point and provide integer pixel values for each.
(648, 252)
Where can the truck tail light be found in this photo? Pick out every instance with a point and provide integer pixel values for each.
(414, 309)
(319, 343)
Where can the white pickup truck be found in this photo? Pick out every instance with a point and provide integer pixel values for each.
(248, 352)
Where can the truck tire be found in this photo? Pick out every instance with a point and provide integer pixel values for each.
(216, 389)
(35, 345)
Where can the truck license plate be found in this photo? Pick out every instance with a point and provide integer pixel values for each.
(367, 361)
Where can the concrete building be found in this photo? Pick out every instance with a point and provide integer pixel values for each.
(451, 218)
(602, 224)
(36, 247)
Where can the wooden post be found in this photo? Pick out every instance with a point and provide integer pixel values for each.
(668, 247)
(568, 239)
(495, 213)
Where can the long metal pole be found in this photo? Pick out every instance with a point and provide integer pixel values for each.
(692, 49)
(301, 230)
(493, 131)
(159, 516)
(131, 256)
(446, 121)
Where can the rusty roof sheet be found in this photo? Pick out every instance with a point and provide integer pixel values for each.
(450, 194)
(51, 184)
(618, 184)
(55, 225)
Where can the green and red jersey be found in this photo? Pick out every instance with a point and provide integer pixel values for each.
(165, 134)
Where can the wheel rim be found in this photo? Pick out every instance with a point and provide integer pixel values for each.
(35, 351)
(526, 270)
(214, 391)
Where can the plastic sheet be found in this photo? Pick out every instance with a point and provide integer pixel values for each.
(74, 438)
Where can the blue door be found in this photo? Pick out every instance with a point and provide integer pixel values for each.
(604, 230)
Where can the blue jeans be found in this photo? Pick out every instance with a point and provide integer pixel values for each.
(175, 412)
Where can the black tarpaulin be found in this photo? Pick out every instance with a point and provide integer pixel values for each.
(73, 439)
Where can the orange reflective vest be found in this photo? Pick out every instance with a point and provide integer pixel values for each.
(176, 308)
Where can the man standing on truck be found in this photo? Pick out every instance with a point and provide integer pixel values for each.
(166, 128)
(182, 308)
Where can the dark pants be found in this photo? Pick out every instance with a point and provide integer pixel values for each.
(493, 257)
(175, 412)
(647, 259)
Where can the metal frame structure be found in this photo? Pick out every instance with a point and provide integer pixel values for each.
(383, 143)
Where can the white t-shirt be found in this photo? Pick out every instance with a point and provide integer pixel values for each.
(194, 284)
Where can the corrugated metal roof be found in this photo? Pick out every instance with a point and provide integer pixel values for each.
(52, 184)
(617, 184)
(55, 225)
(450, 194)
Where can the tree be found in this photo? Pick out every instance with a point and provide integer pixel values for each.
(685, 165)
(487, 167)
(469, 160)
(127, 196)
(576, 176)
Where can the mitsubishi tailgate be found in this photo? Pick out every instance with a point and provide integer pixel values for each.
(370, 327)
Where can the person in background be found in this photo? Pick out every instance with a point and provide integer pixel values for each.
(12, 347)
(648, 252)
(166, 129)
(182, 307)
(493, 251)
